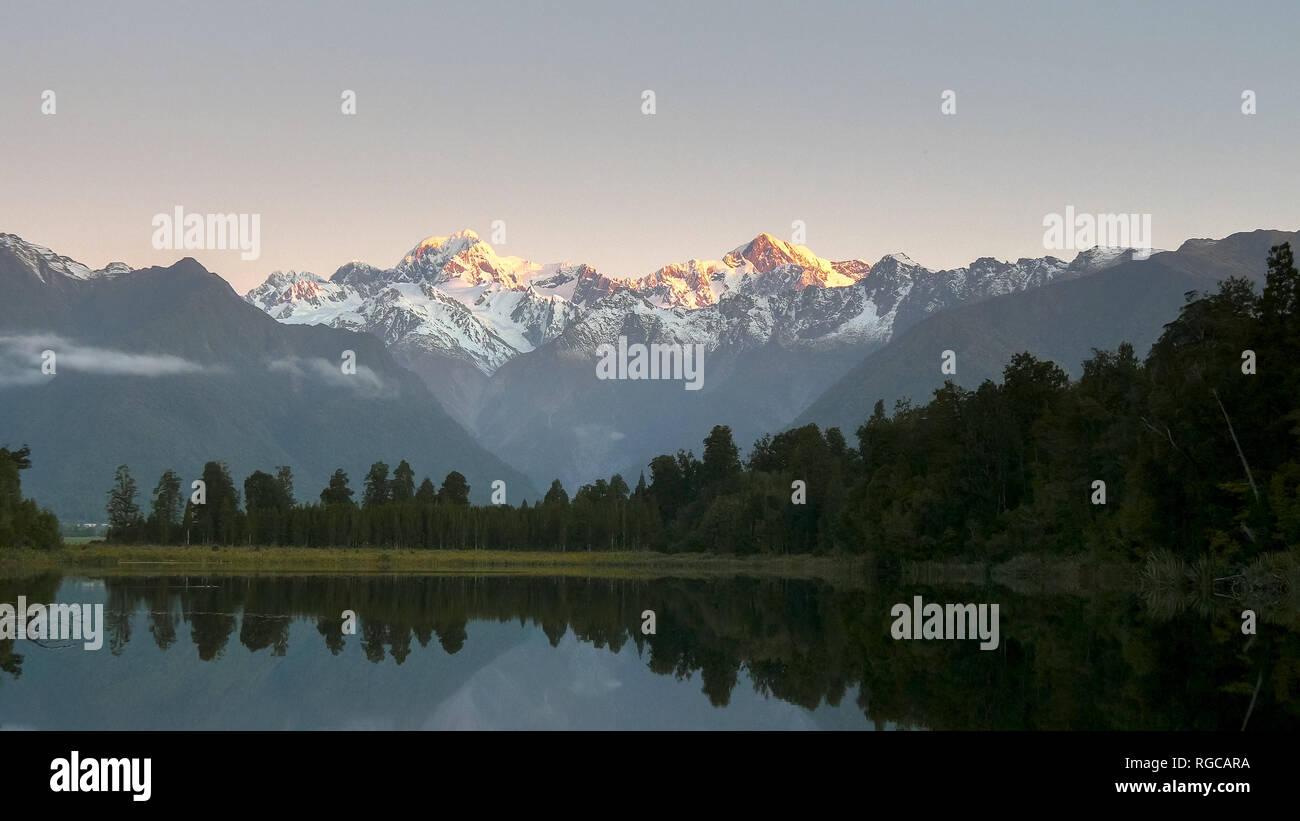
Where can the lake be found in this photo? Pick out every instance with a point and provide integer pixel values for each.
(514, 652)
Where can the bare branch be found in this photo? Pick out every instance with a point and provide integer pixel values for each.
(1231, 432)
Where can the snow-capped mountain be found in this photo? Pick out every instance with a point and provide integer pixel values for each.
(452, 296)
(456, 297)
(44, 263)
(763, 263)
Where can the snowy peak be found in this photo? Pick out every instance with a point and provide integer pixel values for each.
(766, 253)
(854, 269)
(691, 284)
(1098, 257)
(359, 276)
(434, 252)
(579, 284)
(114, 269)
(764, 265)
(307, 296)
(44, 263)
(895, 266)
(464, 257)
(899, 259)
(446, 246)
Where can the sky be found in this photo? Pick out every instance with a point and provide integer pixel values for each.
(532, 113)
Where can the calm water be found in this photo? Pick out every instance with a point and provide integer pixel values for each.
(456, 652)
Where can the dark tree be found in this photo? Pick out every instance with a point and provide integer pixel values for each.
(721, 457)
(402, 488)
(123, 512)
(376, 489)
(556, 495)
(217, 519)
(455, 490)
(427, 494)
(338, 492)
(22, 523)
(284, 476)
(618, 489)
(167, 507)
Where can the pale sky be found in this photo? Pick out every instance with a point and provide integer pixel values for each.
(531, 113)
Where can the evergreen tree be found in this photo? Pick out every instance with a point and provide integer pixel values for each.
(217, 520)
(284, 475)
(1281, 299)
(454, 490)
(556, 495)
(123, 512)
(376, 487)
(670, 486)
(338, 492)
(402, 488)
(167, 504)
(721, 457)
(618, 488)
(427, 494)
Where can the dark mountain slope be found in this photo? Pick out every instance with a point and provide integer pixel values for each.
(1061, 322)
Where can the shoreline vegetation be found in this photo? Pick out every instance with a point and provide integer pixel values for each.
(1272, 579)
(175, 560)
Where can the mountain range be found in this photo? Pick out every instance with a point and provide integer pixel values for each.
(509, 345)
(486, 364)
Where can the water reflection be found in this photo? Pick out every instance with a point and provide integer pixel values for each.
(1067, 661)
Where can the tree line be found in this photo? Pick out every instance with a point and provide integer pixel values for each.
(391, 511)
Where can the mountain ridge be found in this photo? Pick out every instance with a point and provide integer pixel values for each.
(1129, 302)
(454, 296)
(167, 367)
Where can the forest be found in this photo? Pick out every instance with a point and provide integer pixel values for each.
(1194, 450)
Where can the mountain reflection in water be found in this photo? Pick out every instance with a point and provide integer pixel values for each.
(212, 652)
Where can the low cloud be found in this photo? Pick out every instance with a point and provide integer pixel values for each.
(22, 358)
(364, 380)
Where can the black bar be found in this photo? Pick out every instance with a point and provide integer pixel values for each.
(368, 770)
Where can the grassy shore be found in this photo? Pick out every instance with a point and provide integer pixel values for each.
(145, 560)
(1025, 574)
